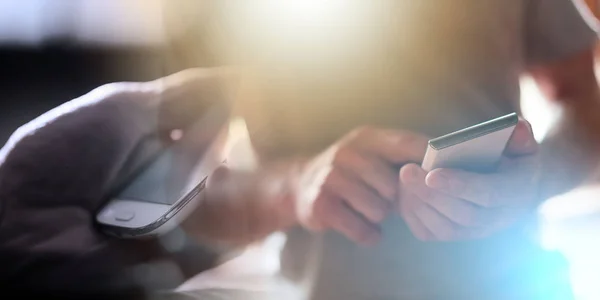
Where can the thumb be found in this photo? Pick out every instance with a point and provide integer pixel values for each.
(522, 141)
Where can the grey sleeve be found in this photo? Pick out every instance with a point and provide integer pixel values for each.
(555, 29)
(55, 174)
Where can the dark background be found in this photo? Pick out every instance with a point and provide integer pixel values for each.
(52, 51)
(36, 79)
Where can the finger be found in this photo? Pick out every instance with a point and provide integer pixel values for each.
(418, 229)
(341, 218)
(357, 196)
(412, 182)
(445, 222)
(457, 210)
(184, 97)
(522, 141)
(393, 146)
(407, 204)
(441, 227)
(479, 189)
(411, 175)
(370, 170)
(314, 215)
(461, 212)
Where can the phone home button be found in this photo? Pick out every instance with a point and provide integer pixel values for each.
(124, 216)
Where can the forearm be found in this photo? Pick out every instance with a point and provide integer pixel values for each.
(570, 154)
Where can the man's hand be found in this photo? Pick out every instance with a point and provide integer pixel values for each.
(449, 204)
(351, 186)
(57, 170)
(99, 139)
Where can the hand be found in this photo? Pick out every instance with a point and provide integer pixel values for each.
(450, 204)
(70, 158)
(82, 148)
(351, 186)
(243, 206)
(57, 170)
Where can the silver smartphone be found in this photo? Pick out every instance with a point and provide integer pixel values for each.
(165, 191)
(476, 148)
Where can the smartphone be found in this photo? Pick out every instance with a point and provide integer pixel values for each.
(165, 191)
(477, 148)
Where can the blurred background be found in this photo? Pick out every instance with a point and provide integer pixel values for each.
(52, 51)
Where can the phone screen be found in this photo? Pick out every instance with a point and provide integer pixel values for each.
(164, 181)
(180, 168)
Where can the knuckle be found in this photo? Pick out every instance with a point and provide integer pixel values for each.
(405, 137)
(331, 179)
(376, 215)
(362, 131)
(314, 215)
(363, 233)
(342, 156)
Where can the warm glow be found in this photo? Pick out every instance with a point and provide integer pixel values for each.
(571, 225)
(294, 13)
(296, 32)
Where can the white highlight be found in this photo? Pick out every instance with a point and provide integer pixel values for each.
(571, 225)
